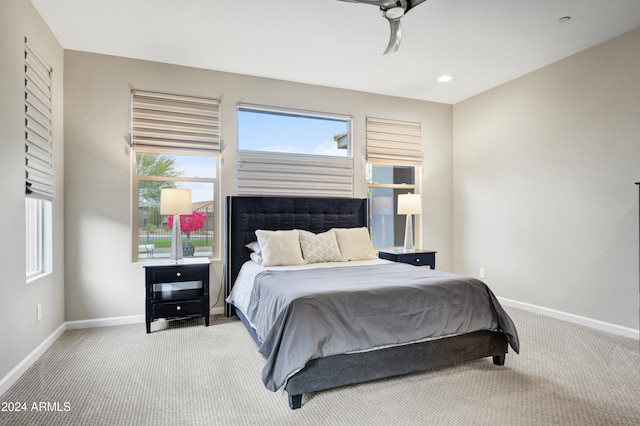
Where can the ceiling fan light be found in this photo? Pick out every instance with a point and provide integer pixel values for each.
(394, 13)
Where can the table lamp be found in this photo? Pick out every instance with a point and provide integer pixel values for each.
(409, 204)
(175, 201)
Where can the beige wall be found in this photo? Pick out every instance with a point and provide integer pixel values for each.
(544, 194)
(101, 281)
(533, 181)
(20, 334)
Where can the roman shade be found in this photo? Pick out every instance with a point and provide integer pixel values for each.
(275, 173)
(394, 142)
(162, 121)
(38, 125)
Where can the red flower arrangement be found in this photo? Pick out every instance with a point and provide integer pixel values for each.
(189, 222)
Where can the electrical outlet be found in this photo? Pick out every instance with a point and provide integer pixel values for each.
(38, 312)
(481, 273)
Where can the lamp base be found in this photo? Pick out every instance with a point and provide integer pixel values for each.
(408, 235)
(176, 240)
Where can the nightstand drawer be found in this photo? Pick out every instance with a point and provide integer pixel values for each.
(175, 274)
(417, 257)
(177, 309)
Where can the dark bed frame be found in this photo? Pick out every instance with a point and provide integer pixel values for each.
(244, 215)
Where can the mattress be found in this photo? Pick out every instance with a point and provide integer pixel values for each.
(306, 312)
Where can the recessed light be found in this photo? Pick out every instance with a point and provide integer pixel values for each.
(445, 78)
(564, 19)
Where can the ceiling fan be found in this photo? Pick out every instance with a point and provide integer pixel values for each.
(392, 10)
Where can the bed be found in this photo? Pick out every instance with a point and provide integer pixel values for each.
(330, 365)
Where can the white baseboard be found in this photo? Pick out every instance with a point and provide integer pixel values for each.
(7, 381)
(132, 319)
(576, 319)
(105, 322)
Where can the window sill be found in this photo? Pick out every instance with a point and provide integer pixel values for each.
(38, 277)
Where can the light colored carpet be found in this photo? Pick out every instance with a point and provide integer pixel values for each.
(188, 374)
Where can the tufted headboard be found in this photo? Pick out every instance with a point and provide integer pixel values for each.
(244, 215)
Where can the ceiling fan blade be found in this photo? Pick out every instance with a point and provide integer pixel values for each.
(380, 3)
(395, 36)
(392, 10)
(414, 3)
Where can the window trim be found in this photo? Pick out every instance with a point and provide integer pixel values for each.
(39, 159)
(294, 112)
(43, 210)
(171, 124)
(135, 218)
(34, 237)
(260, 172)
(415, 188)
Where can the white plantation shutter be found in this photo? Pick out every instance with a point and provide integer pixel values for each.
(38, 125)
(276, 173)
(394, 142)
(182, 123)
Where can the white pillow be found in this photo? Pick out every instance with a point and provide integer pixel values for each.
(279, 247)
(318, 248)
(254, 247)
(355, 244)
(256, 258)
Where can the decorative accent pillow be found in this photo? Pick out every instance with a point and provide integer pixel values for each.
(318, 248)
(355, 244)
(256, 258)
(279, 247)
(254, 247)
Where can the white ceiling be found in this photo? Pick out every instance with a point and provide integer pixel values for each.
(481, 43)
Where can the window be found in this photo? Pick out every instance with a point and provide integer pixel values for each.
(34, 237)
(38, 237)
(288, 152)
(38, 163)
(394, 160)
(384, 184)
(155, 171)
(176, 141)
(280, 130)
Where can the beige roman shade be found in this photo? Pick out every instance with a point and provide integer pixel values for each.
(38, 125)
(394, 142)
(276, 173)
(182, 123)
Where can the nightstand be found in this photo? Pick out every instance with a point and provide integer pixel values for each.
(418, 257)
(176, 290)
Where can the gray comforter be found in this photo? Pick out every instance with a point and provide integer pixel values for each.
(307, 314)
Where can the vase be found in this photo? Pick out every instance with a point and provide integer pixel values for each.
(188, 249)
